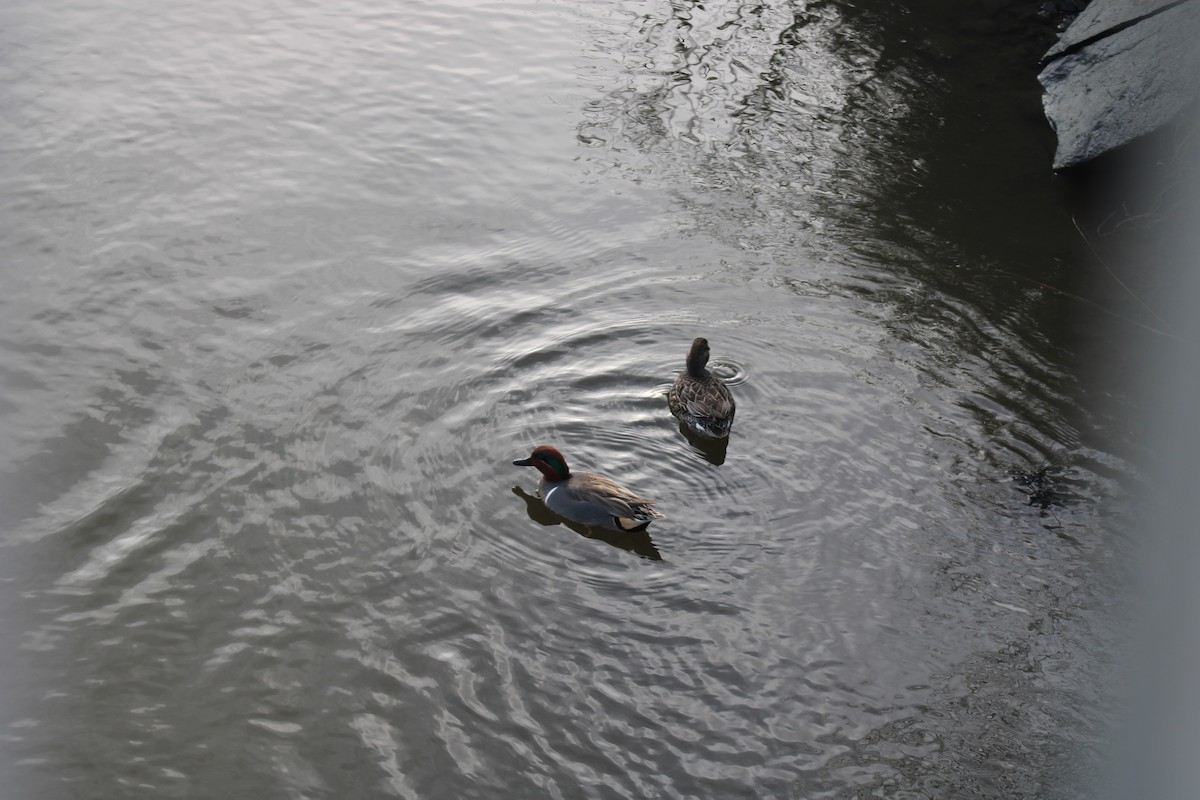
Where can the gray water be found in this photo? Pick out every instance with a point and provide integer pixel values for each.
(287, 287)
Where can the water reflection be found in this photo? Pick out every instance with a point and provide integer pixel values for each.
(724, 75)
(783, 128)
(713, 450)
(636, 542)
(758, 112)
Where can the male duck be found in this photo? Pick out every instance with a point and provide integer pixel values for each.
(586, 497)
(700, 399)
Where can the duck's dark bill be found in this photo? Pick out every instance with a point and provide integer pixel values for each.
(524, 462)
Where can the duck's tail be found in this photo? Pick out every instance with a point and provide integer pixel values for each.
(712, 427)
(643, 515)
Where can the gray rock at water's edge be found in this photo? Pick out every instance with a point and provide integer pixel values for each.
(1120, 87)
(1101, 16)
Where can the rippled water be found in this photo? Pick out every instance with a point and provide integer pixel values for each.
(289, 286)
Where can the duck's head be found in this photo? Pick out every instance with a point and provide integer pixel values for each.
(549, 462)
(697, 357)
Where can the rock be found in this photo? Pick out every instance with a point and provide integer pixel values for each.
(1104, 17)
(1114, 78)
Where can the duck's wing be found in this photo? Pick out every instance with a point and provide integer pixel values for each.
(611, 496)
(708, 399)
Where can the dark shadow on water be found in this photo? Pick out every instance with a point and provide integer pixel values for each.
(713, 450)
(636, 542)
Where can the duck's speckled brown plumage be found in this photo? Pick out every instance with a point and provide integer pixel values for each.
(700, 399)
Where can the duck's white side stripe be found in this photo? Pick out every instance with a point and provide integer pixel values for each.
(554, 489)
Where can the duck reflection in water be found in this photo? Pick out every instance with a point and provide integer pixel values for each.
(637, 542)
(713, 450)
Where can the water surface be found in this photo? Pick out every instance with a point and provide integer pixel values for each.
(289, 286)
